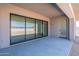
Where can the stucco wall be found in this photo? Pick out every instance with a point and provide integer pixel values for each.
(5, 10)
(72, 28)
(68, 10)
(0, 29)
(57, 26)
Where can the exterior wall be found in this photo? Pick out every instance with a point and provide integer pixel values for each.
(0, 29)
(72, 28)
(57, 24)
(68, 10)
(5, 10)
(56, 28)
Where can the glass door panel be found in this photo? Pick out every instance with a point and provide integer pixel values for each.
(39, 27)
(17, 29)
(30, 28)
(45, 28)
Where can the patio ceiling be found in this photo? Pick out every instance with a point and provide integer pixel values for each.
(75, 7)
(46, 9)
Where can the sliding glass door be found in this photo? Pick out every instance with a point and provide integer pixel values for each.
(39, 28)
(25, 28)
(17, 29)
(30, 28)
(45, 28)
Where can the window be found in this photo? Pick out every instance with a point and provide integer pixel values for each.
(45, 28)
(17, 29)
(30, 28)
(25, 28)
(39, 31)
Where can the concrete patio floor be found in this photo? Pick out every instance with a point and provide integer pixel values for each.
(45, 46)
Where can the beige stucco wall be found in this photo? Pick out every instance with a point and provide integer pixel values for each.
(72, 27)
(56, 28)
(68, 10)
(57, 24)
(5, 10)
(0, 29)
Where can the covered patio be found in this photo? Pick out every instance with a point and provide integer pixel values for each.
(52, 26)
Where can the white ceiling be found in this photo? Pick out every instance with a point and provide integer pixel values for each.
(45, 9)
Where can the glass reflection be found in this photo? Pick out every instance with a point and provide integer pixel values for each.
(45, 28)
(30, 28)
(39, 31)
(23, 29)
(17, 29)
